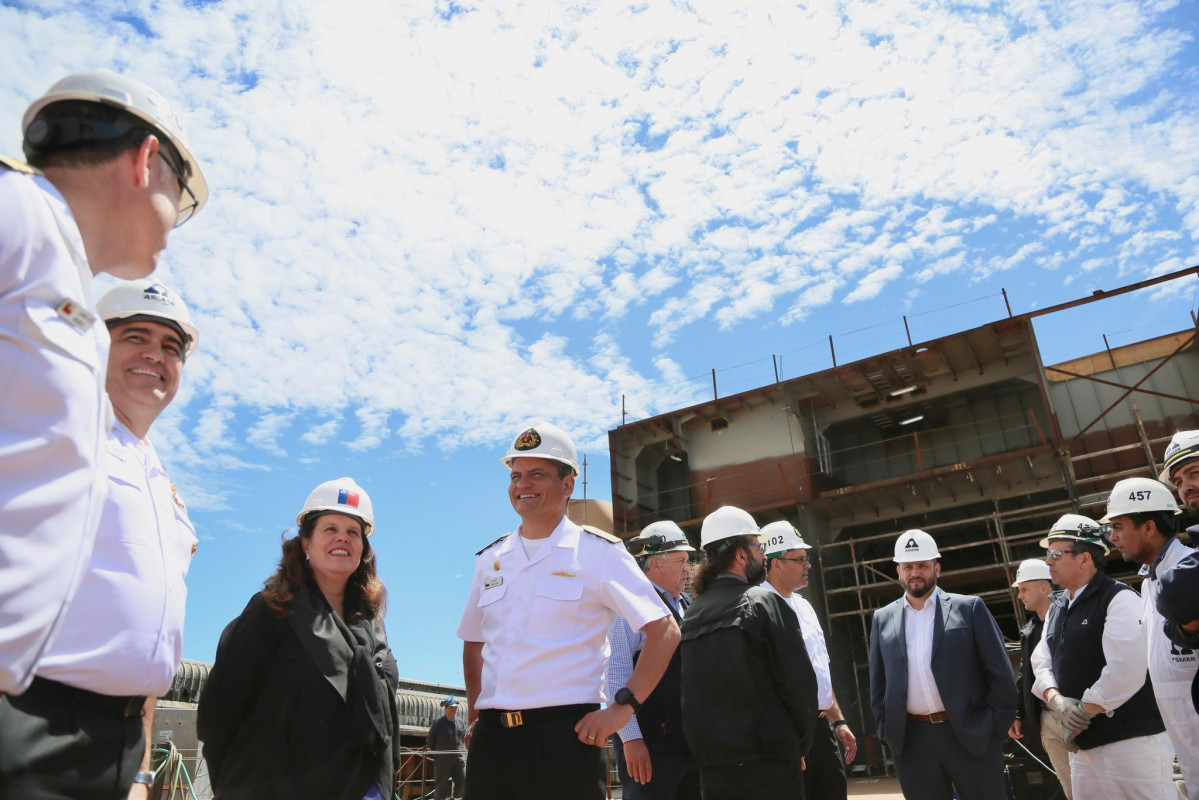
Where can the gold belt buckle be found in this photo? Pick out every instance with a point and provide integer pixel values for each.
(511, 719)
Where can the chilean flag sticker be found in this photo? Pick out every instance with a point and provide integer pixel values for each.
(347, 498)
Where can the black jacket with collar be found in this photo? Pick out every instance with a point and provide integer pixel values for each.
(749, 690)
(301, 706)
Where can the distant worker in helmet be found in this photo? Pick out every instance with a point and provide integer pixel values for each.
(749, 691)
(301, 700)
(941, 685)
(1091, 669)
(534, 637)
(787, 568)
(120, 643)
(1034, 721)
(109, 174)
(653, 758)
(446, 741)
(1141, 513)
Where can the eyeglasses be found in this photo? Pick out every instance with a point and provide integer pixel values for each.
(1056, 554)
(800, 560)
(185, 209)
(760, 546)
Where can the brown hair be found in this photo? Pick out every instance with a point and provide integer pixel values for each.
(720, 557)
(365, 596)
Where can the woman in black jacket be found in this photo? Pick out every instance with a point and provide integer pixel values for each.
(301, 700)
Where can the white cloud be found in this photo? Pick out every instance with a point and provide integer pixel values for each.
(427, 227)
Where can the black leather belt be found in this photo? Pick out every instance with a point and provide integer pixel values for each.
(62, 693)
(532, 716)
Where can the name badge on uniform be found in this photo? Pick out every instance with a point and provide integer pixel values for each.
(491, 583)
(76, 315)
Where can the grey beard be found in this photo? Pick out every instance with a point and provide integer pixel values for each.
(755, 573)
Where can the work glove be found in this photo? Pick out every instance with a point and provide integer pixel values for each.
(1070, 712)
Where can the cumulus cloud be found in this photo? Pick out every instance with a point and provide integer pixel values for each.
(428, 220)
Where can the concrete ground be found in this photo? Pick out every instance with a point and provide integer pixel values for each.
(875, 789)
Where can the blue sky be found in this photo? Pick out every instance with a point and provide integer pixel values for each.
(431, 222)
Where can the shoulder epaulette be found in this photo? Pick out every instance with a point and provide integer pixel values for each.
(607, 537)
(493, 544)
(16, 165)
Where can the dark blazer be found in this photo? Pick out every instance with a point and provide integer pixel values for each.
(300, 707)
(969, 664)
(1029, 711)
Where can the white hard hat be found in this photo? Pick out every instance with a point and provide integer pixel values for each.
(1076, 528)
(135, 300)
(342, 496)
(915, 545)
(543, 440)
(673, 538)
(782, 536)
(726, 522)
(1032, 569)
(1182, 448)
(131, 95)
(1139, 496)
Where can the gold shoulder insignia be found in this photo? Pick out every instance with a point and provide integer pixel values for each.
(16, 165)
(493, 544)
(607, 537)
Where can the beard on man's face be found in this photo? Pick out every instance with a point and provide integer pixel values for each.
(922, 589)
(755, 571)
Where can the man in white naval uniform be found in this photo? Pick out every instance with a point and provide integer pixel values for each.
(81, 729)
(109, 175)
(534, 635)
(787, 568)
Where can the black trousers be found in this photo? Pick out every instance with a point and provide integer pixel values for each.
(824, 772)
(934, 764)
(542, 759)
(675, 776)
(447, 769)
(62, 743)
(753, 780)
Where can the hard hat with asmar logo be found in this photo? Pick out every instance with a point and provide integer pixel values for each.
(915, 545)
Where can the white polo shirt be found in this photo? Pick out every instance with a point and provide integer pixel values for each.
(123, 635)
(54, 417)
(543, 621)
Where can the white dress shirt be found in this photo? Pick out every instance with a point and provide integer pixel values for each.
(1123, 648)
(123, 635)
(814, 643)
(918, 625)
(543, 621)
(54, 417)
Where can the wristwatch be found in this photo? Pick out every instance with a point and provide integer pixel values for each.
(144, 778)
(626, 698)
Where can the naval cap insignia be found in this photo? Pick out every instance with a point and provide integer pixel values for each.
(528, 440)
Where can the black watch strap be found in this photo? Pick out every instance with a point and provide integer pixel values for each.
(625, 697)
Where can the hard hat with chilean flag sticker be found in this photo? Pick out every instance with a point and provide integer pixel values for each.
(341, 496)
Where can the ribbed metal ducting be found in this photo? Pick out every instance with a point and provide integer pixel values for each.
(188, 682)
(417, 708)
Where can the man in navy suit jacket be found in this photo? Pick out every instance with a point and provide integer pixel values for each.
(941, 686)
